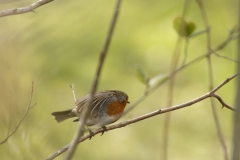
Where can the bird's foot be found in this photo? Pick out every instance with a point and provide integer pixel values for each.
(104, 129)
(90, 133)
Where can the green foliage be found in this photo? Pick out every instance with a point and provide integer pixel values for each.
(190, 28)
(183, 28)
(197, 33)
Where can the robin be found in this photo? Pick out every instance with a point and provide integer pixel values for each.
(106, 107)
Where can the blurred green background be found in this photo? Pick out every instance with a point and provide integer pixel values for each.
(59, 45)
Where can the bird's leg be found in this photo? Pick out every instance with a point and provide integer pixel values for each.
(91, 133)
(104, 129)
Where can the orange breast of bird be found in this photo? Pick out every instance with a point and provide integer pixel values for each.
(116, 108)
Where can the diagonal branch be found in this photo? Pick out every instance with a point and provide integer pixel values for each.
(210, 73)
(171, 84)
(224, 57)
(79, 133)
(30, 8)
(146, 116)
(152, 89)
(222, 102)
(73, 92)
(19, 123)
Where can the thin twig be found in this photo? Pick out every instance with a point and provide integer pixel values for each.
(85, 112)
(152, 89)
(167, 119)
(146, 116)
(20, 122)
(221, 46)
(222, 102)
(74, 97)
(185, 51)
(211, 84)
(26, 9)
(231, 36)
(225, 57)
(174, 64)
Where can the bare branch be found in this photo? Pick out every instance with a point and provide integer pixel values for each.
(146, 116)
(152, 89)
(174, 63)
(210, 73)
(231, 37)
(224, 82)
(30, 8)
(25, 114)
(225, 57)
(74, 97)
(85, 112)
(185, 51)
(171, 84)
(222, 102)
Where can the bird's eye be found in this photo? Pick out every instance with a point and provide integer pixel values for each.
(127, 99)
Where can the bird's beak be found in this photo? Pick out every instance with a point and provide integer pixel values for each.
(128, 102)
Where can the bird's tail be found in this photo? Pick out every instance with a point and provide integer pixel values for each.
(63, 115)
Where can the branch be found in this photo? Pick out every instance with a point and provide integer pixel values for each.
(185, 51)
(170, 91)
(152, 89)
(146, 116)
(222, 102)
(85, 112)
(224, 57)
(210, 73)
(23, 10)
(25, 114)
(74, 97)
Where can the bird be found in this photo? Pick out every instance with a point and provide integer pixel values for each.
(106, 108)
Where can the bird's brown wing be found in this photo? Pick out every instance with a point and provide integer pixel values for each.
(99, 99)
